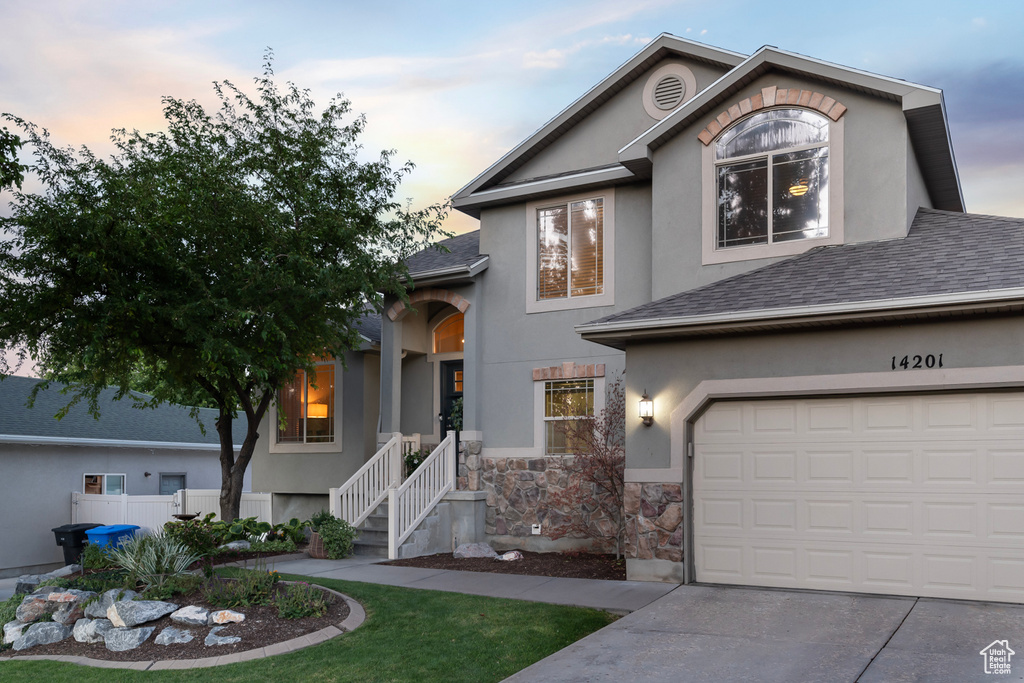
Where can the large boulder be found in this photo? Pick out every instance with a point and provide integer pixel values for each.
(91, 630)
(174, 636)
(193, 615)
(129, 613)
(468, 550)
(26, 583)
(98, 608)
(121, 639)
(213, 639)
(42, 634)
(13, 630)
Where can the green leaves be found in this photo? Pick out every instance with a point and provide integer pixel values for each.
(205, 262)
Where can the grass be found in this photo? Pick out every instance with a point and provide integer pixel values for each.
(409, 635)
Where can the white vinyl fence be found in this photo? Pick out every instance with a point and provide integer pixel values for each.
(151, 512)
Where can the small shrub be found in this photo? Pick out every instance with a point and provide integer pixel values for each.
(337, 536)
(95, 557)
(198, 535)
(294, 531)
(319, 518)
(285, 546)
(241, 530)
(176, 585)
(153, 559)
(250, 587)
(301, 600)
(414, 459)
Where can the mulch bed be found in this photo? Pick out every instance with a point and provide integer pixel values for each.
(562, 565)
(261, 627)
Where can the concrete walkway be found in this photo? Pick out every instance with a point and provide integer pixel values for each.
(619, 597)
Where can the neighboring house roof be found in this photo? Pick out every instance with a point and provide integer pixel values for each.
(456, 258)
(119, 424)
(948, 263)
(923, 108)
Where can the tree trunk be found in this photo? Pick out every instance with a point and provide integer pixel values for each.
(232, 469)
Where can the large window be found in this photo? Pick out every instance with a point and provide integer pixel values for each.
(570, 250)
(565, 403)
(772, 179)
(306, 407)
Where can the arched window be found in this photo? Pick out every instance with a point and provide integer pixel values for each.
(449, 335)
(772, 178)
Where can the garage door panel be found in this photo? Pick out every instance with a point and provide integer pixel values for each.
(905, 495)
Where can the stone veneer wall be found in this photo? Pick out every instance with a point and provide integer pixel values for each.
(654, 521)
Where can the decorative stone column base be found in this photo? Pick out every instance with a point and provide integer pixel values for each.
(654, 521)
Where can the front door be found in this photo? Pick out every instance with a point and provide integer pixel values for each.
(451, 390)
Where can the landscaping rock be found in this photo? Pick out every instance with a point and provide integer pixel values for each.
(91, 630)
(225, 616)
(192, 615)
(121, 639)
(174, 636)
(98, 609)
(213, 639)
(64, 571)
(468, 550)
(68, 613)
(26, 584)
(236, 545)
(42, 634)
(129, 613)
(65, 604)
(31, 608)
(13, 630)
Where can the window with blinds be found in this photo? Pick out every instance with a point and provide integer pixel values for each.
(570, 250)
(307, 405)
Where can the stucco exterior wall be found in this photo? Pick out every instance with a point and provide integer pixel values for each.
(37, 482)
(312, 472)
(513, 342)
(879, 184)
(671, 370)
(597, 139)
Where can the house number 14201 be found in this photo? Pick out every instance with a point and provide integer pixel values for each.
(915, 362)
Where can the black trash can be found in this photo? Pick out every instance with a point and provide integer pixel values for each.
(72, 538)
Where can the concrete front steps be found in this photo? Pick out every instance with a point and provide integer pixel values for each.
(458, 518)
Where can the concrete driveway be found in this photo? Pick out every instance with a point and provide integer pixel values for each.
(709, 633)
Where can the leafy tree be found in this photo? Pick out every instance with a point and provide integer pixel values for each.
(213, 259)
(11, 172)
(591, 504)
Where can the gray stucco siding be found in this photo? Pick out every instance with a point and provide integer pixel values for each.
(417, 395)
(670, 370)
(878, 185)
(596, 140)
(37, 482)
(316, 472)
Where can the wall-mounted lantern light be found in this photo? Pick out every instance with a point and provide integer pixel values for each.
(647, 409)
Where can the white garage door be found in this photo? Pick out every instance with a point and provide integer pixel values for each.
(908, 495)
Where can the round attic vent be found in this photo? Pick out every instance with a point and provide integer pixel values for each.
(669, 92)
(667, 88)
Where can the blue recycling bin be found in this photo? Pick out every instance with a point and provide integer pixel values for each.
(111, 536)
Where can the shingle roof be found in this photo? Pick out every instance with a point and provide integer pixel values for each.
(463, 250)
(119, 420)
(369, 326)
(944, 253)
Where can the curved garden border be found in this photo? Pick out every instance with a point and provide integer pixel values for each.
(356, 617)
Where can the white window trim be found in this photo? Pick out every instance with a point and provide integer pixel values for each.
(607, 298)
(539, 436)
(332, 447)
(712, 254)
(124, 481)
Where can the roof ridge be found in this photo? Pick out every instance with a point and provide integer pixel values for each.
(987, 216)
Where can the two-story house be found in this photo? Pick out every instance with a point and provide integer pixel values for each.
(772, 248)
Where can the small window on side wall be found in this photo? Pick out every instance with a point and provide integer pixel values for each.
(306, 405)
(103, 484)
(772, 179)
(565, 403)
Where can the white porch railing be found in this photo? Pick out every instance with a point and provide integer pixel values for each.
(367, 488)
(410, 443)
(411, 502)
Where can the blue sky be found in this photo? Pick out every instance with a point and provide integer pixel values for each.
(453, 85)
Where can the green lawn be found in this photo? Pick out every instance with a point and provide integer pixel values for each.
(408, 635)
